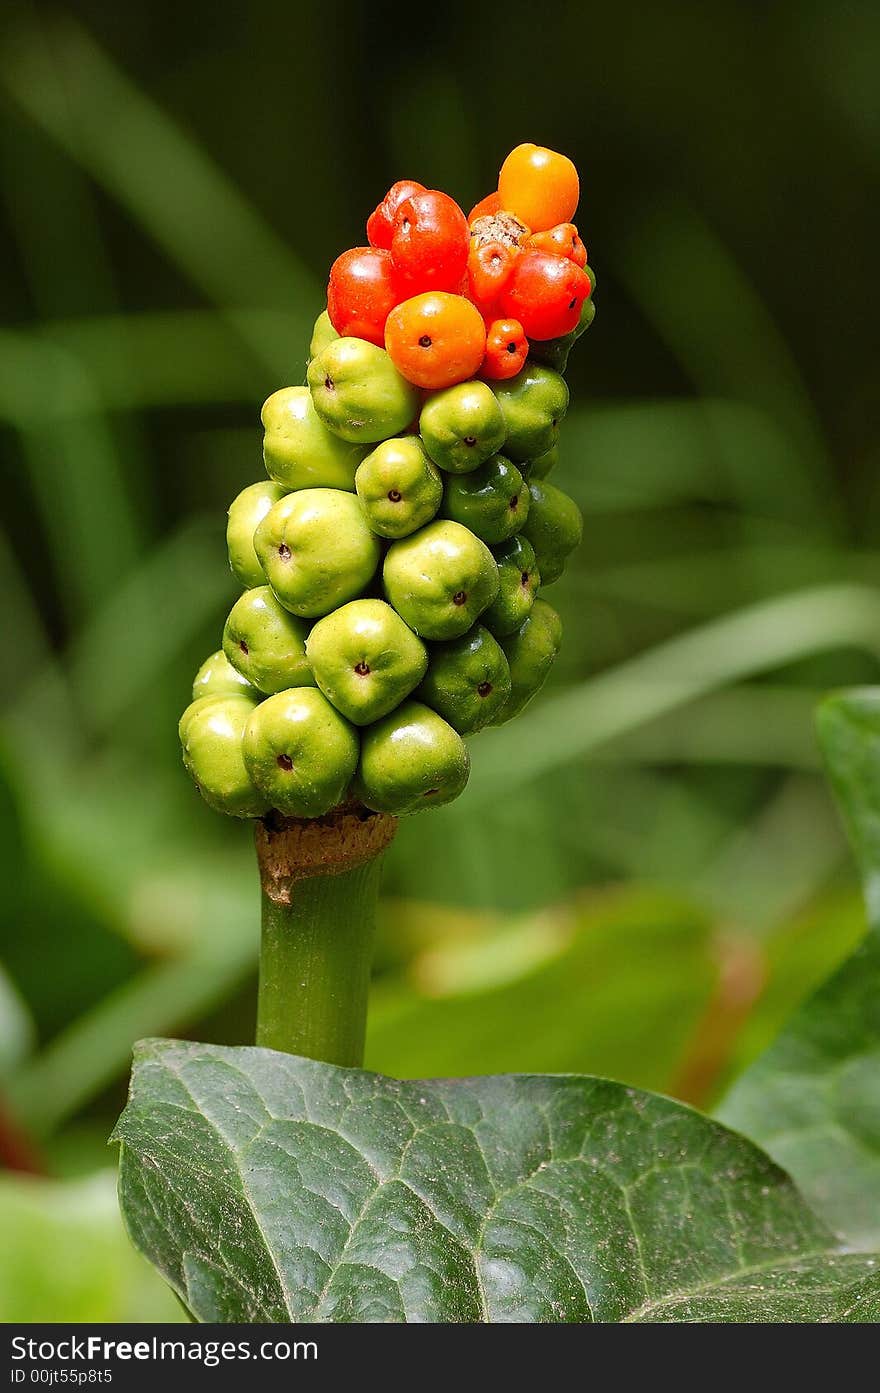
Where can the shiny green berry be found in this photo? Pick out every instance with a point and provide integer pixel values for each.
(365, 659)
(217, 677)
(299, 451)
(300, 753)
(440, 579)
(534, 404)
(358, 392)
(411, 760)
(462, 426)
(399, 488)
(323, 334)
(468, 680)
(554, 527)
(265, 643)
(317, 550)
(519, 577)
(211, 732)
(540, 467)
(530, 652)
(246, 512)
(493, 501)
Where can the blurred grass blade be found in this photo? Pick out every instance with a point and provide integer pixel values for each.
(703, 306)
(73, 91)
(567, 726)
(92, 531)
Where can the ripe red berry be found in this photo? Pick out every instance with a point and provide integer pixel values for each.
(380, 223)
(545, 293)
(362, 292)
(506, 350)
(561, 240)
(490, 266)
(429, 244)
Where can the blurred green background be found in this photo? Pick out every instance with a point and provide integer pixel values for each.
(646, 872)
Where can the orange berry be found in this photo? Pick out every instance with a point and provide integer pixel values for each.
(485, 208)
(506, 350)
(490, 265)
(435, 340)
(539, 185)
(561, 240)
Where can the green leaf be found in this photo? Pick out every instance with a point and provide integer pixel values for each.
(614, 985)
(813, 1099)
(271, 1188)
(66, 1256)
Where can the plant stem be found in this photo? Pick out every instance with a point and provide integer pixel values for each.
(320, 883)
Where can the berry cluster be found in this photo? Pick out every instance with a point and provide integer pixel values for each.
(391, 560)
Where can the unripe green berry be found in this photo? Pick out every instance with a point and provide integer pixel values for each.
(530, 652)
(554, 527)
(534, 404)
(316, 550)
(468, 680)
(365, 659)
(323, 334)
(300, 753)
(519, 577)
(411, 760)
(358, 392)
(246, 512)
(440, 579)
(211, 731)
(399, 488)
(493, 501)
(299, 451)
(540, 467)
(265, 643)
(217, 677)
(462, 426)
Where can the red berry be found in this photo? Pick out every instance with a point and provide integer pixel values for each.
(380, 223)
(490, 266)
(429, 245)
(506, 350)
(362, 292)
(545, 294)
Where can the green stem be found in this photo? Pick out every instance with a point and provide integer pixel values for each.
(320, 888)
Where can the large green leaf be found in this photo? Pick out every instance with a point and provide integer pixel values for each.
(271, 1188)
(813, 1099)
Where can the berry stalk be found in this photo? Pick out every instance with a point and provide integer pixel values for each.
(320, 885)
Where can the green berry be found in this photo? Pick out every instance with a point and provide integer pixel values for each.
(358, 392)
(299, 451)
(534, 404)
(300, 753)
(211, 731)
(411, 760)
(554, 527)
(316, 550)
(365, 659)
(493, 501)
(519, 577)
(323, 334)
(531, 652)
(399, 488)
(265, 643)
(246, 512)
(468, 681)
(440, 579)
(540, 467)
(217, 677)
(462, 426)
